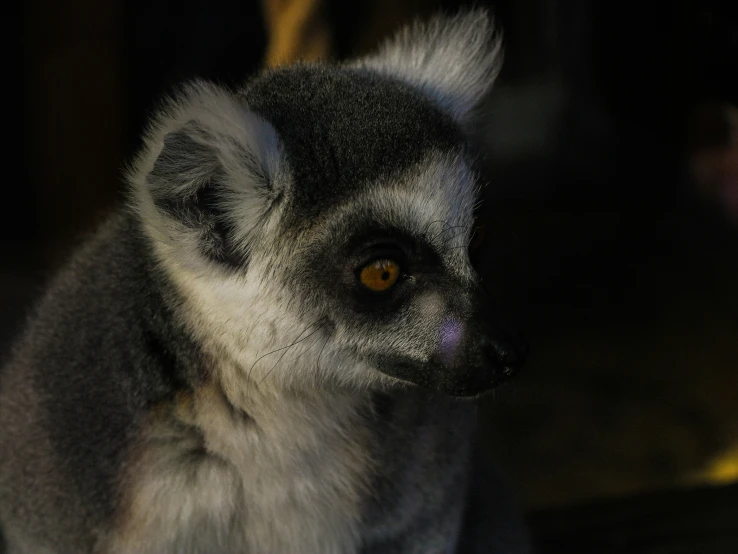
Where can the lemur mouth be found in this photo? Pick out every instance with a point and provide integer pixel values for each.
(471, 375)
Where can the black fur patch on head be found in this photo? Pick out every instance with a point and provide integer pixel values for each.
(343, 128)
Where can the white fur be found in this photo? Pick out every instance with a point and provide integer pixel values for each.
(286, 478)
(454, 61)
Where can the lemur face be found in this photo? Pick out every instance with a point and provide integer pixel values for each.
(317, 222)
(390, 269)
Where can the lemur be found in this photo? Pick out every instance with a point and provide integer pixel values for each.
(266, 350)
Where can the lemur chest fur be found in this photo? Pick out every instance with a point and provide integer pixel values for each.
(289, 475)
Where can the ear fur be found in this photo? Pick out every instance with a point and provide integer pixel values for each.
(209, 171)
(453, 60)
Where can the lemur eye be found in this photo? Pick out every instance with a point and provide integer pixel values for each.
(380, 275)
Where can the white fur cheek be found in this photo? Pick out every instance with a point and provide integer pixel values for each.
(421, 328)
(254, 330)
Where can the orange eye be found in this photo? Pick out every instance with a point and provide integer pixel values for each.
(380, 275)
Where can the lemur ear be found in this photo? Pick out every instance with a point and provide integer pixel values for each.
(209, 172)
(454, 60)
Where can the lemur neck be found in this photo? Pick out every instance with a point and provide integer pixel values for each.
(309, 422)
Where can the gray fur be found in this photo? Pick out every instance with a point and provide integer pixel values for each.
(452, 61)
(208, 375)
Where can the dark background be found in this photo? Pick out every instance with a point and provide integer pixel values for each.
(618, 266)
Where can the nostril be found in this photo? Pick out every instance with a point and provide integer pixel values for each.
(510, 370)
(508, 355)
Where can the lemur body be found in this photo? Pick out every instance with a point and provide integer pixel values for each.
(250, 358)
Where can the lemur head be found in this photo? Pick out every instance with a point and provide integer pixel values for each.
(316, 223)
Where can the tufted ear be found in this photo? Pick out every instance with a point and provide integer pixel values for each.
(453, 60)
(209, 172)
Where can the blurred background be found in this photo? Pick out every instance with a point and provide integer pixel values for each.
(610, 146)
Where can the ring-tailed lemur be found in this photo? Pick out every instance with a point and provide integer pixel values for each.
(251, 358)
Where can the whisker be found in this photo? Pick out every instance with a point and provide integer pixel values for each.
(458, 234)
(449, 228)
(302, 353)
(321, 353)
(427, 227)
(287, 350)
(473, 236)
(448, 249)
(284, 347)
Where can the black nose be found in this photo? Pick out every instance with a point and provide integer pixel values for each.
(485, 359)
(505, 353)
(475, 351)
